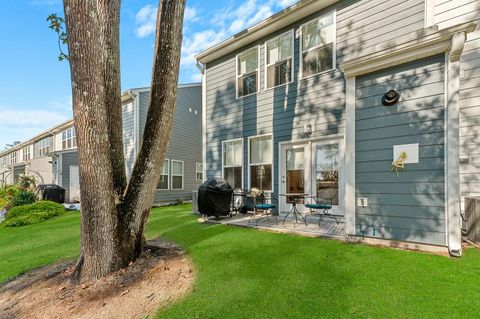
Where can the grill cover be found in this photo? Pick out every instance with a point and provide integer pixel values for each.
(50, 192)
(215, 197)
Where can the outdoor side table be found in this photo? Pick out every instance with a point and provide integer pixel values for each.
(295, 197)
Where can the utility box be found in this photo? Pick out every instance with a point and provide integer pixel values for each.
(472, 216)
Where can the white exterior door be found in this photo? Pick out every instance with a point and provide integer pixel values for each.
(294, 173)
(74, 186)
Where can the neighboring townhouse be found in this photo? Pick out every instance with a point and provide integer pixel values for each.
(298, 104)
(182, 171)
(32, 157)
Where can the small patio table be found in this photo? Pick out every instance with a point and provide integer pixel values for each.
(295, 197)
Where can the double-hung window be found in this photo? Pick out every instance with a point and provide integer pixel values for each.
(13, 158)
(233, 162)
(261, 156)
(177, 174)
(44, 147)
(247, 72)
(279, 60)
(163, 181)
(318, 45)
(199, 171)
(69, 139)
(26, 153)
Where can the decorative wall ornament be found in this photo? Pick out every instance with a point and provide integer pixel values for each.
(399, 163)
(390, 98)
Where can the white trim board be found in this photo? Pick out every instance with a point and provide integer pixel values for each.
(414, 46)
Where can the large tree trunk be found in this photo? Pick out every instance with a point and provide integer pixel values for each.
(114, 213)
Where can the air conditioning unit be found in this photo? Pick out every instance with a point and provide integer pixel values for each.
(195, 202)
(472, 216)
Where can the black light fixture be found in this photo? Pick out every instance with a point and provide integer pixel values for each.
(390, 98)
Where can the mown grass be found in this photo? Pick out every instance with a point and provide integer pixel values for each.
(244, 273)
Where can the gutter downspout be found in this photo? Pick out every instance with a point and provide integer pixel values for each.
(203, 71)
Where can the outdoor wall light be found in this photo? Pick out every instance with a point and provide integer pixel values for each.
(390, 98)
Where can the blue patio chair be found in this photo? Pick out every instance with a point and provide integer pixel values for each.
(321, 207)
(264, 206)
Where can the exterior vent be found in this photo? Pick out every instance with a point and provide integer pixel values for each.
(195, 202)
(472, 216)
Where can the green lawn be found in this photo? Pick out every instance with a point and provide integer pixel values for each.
(244, 273)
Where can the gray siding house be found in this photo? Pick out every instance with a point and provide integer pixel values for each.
(52, 156)
(299, 103)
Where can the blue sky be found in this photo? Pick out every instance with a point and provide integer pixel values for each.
(35, 92)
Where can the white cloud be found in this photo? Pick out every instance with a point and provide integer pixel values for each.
(146, 20)
(286, 3)
(224, 22)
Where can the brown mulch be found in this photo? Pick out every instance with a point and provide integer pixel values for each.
(159, 277)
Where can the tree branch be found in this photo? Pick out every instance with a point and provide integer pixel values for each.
(146, 172)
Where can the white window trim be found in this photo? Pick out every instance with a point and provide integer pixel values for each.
(429, 19)
(183, 175)
(265, 80)
(257, 70)
(334, 46)
(168, 176)
(249, 164)
(197, 171)
(74, 134)
(230, 166)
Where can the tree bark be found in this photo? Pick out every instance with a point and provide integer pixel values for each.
(114, 213)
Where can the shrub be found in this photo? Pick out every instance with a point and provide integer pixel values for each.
(32, 214)
(23, 197)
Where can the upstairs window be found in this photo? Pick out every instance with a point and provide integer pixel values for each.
(69, 139)
(279, 60)
(13, 158)
(247, 72)
(163, 182)
(318, 45)
(44, 147)
(26, 153)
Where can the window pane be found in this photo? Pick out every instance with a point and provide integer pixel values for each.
(320, 32)
(327, 173)
(233, 153)
(199, 167)
(261, 150)
(177, 182)
(247, 84)
(261, 176)
(165, 167)
(318, 60)
(279, 74)
(177, 168)
(233, 176)
(163, 182)
(248, 62)
(279, 49)
(199, 176)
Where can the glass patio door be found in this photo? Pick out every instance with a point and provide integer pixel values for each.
(327, 174)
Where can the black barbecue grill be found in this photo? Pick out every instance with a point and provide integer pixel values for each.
(215, 198)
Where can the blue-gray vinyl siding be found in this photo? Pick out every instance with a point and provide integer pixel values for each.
(185, 141)
(409, 206)
(318, 101)
(68, 159)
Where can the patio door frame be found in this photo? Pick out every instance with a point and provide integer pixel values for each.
(309, 146)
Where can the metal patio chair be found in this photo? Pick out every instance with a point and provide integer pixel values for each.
(320, 206)
(264, 206)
